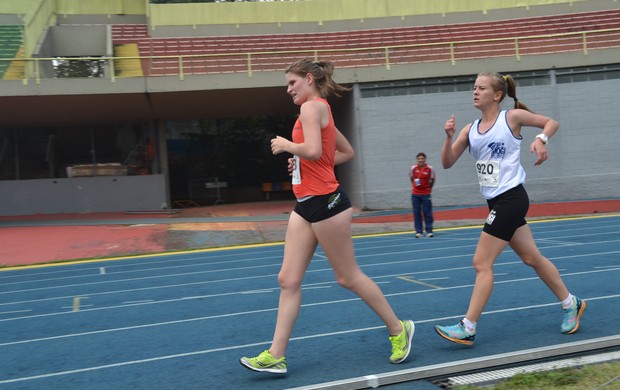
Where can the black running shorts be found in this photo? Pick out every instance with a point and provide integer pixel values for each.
(507, 213)
(321, 207)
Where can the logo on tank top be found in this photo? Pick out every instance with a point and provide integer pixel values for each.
(334, 201)
(498, 149)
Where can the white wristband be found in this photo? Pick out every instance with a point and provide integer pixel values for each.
(543, 137)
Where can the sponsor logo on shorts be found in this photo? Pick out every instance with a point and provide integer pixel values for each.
(334, 201)
(491, 217)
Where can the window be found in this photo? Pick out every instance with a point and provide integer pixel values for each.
(465, 83)
(588, 73)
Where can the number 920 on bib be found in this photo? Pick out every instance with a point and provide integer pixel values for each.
(488, 172)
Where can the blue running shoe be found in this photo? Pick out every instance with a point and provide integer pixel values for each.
(572, 316)
(456, 333)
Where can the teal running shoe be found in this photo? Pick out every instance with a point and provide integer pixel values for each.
(456, 333)
(572, 316)
(265, 363)
(401, 344)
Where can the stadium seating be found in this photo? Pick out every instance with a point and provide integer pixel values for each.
(368, 47)
(10, 44)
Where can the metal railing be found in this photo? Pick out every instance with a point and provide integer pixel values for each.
(386, 56)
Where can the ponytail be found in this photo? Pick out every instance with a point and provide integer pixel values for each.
(511, 91)
(322, 71)
(506, 85)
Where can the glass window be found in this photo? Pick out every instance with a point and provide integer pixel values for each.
(58, 152)
(465, 83)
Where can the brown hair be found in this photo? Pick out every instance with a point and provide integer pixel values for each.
(506, 85)
(322, 72)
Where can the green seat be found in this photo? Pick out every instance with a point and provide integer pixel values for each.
(10, 42)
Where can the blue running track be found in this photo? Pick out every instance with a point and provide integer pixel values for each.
(183, 320)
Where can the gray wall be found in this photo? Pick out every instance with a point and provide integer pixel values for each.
(72, 41)
(82, 195)
(350, 175)
(515, 12)
(583, 162)
(8, 19)
(78, 41)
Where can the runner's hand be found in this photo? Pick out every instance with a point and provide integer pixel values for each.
(450, 126)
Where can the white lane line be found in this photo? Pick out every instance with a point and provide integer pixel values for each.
(15, 311)
(320, 303)
(613, 267)
(204, 352)
(205, 318)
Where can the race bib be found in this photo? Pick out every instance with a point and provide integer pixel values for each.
(296, 174)
(488, 173)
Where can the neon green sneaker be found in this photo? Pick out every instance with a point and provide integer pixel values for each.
(265, 363)
(401, 344)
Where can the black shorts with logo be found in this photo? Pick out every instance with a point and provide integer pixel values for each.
(507, 213)
(321, 207)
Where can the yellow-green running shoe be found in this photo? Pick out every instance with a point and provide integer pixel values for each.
(401, 344)
(265, 363)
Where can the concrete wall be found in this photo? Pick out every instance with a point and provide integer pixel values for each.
(322, 11)
(82, 195)
(583, 161)
(65, 19)
(78, 41)
(10, 19)
(71, 41)
(350, 174)
(373, 22)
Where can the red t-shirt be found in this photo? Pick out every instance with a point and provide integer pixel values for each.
(422, 178)
(317, 176)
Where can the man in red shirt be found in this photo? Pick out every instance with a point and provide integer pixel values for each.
(422, 178)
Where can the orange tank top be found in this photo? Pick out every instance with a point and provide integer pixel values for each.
(317, 176)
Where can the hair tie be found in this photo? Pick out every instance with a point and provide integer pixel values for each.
(516, 100)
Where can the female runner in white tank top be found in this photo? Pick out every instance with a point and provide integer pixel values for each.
(495, 141)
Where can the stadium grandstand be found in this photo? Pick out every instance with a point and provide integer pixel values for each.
(131, 105)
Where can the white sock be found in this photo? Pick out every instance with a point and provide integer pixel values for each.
(568, 302)
(469, 326)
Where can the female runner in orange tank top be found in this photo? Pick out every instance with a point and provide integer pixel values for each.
(322, 215)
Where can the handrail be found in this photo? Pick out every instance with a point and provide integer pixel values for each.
(388, 51)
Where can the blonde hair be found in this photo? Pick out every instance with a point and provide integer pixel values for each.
(322, 71)
(506, 85)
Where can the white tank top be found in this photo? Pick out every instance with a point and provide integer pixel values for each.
(498, 157)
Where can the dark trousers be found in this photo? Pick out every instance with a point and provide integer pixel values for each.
(422, 205)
